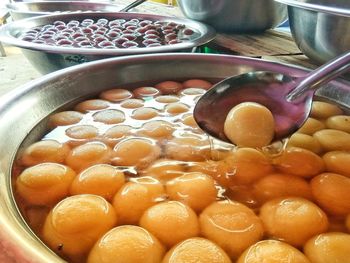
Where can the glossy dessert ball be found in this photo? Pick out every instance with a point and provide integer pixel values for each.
(231, 225)
(65, 118)
(272, 251)
(293, 220)
(311, 126)
(324, 110)
(305, 141)
(328, 247)
(199, 250)
(197, 190)
(300, 162)
(250, 124)
(101, 179)
(332, 193)
(134, 198)
(88, 154)
(164, 170)
(333, 140)
(281, 185)
(45, 184)
(92, 105)
(171, 222)
(130, 244)
(139, 152)
(76, 223)
(44, 151)
(339, 122)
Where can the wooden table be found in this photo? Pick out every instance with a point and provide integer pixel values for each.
(273, 45)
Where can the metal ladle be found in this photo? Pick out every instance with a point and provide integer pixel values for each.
(289, 99)
(132, 5)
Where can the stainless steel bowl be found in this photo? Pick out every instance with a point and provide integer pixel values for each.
(23, 113)
(22, 10)
(321, 28)
(46, 58)
(235, 15)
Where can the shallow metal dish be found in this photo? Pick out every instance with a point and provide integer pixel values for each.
(46, 58)
(321, 28)
(23, 113)
(21, 10)
(236, 15)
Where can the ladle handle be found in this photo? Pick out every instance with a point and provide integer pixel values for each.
(132, 5)
(321, 75)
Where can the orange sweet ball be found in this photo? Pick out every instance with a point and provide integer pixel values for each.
(65, 118)
(101, 179)
(171, 222)
(44, 151)
(134, 198)
(332, 193)
(197, 190)
(88, 154)
(169, 87)
(127, 244)
(164, 170)
(231, 225)
(76, 223)
(197, 83)
(293, 220)
(199, 250)
(45, 184)
(272, 251)
(139, 152)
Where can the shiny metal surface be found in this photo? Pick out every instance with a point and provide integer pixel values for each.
(236, 15)
(46, 58)
(321, 28)
(288, 98)
(23, 113)
(22, 10)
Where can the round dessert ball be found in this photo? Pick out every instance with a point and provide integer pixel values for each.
(65, 118)
(250, 124)
(272, 251)
(44, 151)
(131, 244)
(328, 247)
(101, 179)
(164, 169)
(88, 154)
(197, 83)
(199, 250)
(169, 87)
(139, 152)
(197, 190)
(324, 110)
(116, 95)
(281, 185)
(300, 162)
(231, 225)
(293, 220)
(311, 126)
(332, 193)
(188, 148)
(171, 222)
(92, 105)
(76, 223)
(134, 198)
(248, 165)
(157, 129)
(45, 184)
(337, 162)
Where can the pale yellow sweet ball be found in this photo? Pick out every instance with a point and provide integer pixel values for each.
(199, 250)
(45, 183)
(231, 225)
(272, 251)
(127, 244)
(249, 124)
(328, 247)
(197, 190)
(101, 179)
(171, 222)
(76, 223)
(293, 220)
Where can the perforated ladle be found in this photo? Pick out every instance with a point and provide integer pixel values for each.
(289, 99)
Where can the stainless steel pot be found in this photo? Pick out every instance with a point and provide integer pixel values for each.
(235, 15)
(46, 58)
(23, 113)
(321, 28)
